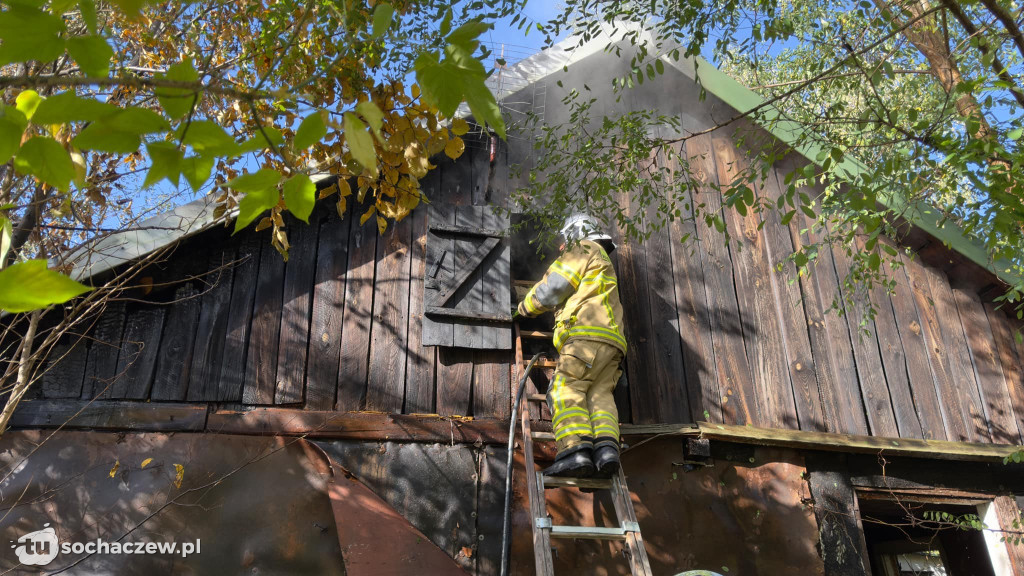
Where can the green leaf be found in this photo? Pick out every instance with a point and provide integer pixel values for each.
(874, 261)
(88, 10)
(382, 16)
(311, 130)
(177, 102)
(300, 196)
(208, 139)
(197, 170)
(460, 76)
(69, 107)
(660, 66)
(260, 189)
(47, 160)
(27, 286)
(808, 211)
(12, 127)
(105, 138)
(1015, 134)
(166, 163)
(787, 217)
(138, 121)
(30, 34)
(374, 117)
(92, 53)
(28, 102)
(360, 142)
(255, 181)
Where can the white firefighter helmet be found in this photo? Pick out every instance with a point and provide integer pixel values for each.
(582, 226)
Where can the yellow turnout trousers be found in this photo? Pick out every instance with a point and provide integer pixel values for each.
(583, 412)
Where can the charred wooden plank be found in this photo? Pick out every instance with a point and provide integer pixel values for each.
(454, 381)
(789, 306)
(358, 425)
(299, 273)
(328, 308)
(101, 369)
(495, 296)
(491, 384)
(1012, 364)
(915, 347)
(139, 349)
(65, 369)
(842, 405)
(995, 394)
(440, 260)
(264, 338)
(468, 231)
(956, 417)
(870, 371)
(469, 298)
(419, 371)
(894, 362)
(113, 415)
(208, 351)
(666, 390)
(245, 279)
(691, 302)
(737, 401)
(469, 315)
(175, 357)
(385, 389)
(358, 316)
(763, 342)
(835, 506)
(954, 347)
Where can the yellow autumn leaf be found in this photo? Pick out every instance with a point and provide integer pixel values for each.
(327, 191)
(344, 188)
(179, 475)
(342, 206)
(382, 224)
(454, 148)
(460, 126)
(113, 471)
(145, 462)
(415, 91)
(265, 223)
(369, 213)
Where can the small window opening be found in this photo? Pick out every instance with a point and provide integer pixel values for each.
(908, 537)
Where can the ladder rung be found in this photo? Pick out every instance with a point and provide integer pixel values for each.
(591, 532)
(542, 364)
(599, 483)
(536, 334)
(537, 397)
(542, 435)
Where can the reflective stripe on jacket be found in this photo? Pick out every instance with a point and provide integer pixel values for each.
(581, 284)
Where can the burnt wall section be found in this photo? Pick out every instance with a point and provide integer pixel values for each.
(716, 332)
(336, 327)
(127, 488)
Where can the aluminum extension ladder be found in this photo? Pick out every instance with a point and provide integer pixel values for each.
(628, 530)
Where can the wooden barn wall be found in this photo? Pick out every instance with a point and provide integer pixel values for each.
(715, 332)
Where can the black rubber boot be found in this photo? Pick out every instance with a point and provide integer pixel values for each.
(576, 464)
(606, 461)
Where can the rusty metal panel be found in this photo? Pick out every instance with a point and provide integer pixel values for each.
(257, 505)
(376, 540)
(432, 485)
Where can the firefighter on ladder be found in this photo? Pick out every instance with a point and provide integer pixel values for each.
(582, 288)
